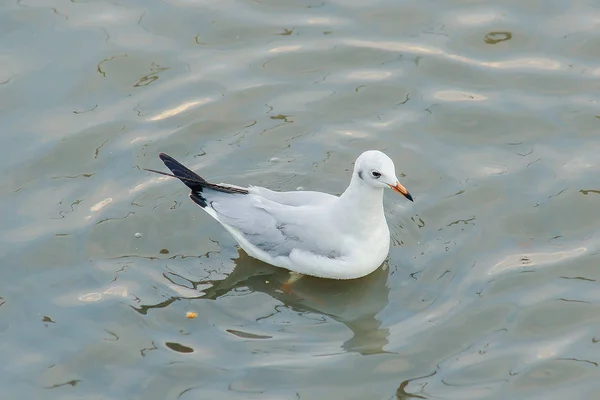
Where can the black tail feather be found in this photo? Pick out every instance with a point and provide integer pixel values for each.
(192, 180)
(187, 176)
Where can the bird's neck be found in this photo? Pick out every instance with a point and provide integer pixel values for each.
(362, 201)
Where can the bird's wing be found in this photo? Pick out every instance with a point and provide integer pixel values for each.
(296, 198)
(275, 228)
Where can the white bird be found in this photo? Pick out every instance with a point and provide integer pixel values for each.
(310, 233)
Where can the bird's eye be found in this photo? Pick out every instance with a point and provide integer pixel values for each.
(376, 174)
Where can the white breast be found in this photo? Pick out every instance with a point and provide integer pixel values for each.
(371, 251)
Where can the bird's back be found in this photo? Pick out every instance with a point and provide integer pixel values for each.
(294, 198)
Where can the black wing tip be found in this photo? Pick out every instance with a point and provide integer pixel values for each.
(180, 171)
(197, 198)
(164, 156)
(193, 180)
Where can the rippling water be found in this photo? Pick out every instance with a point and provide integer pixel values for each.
(489, 111)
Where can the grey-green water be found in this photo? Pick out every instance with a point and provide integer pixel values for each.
(490, 111)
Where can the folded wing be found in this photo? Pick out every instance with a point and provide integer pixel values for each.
(275, 222)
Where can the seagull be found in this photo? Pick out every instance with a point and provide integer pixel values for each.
(309, 233)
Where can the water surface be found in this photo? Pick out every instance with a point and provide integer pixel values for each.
(489, 111)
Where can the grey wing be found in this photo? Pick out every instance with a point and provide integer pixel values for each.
(296, 198)
(275, 228)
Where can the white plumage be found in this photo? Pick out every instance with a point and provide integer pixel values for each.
(310, 233)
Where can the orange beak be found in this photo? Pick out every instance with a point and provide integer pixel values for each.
(402, 190)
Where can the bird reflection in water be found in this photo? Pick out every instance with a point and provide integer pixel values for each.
(354, 303)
